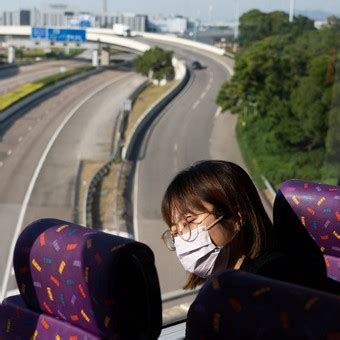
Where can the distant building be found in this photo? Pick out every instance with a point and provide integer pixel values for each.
(25, 17)
(60, 15)
(320, 23)
(15, 18)
(177, 24)
(134, 22)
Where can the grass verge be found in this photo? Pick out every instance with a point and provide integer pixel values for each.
(24, 90)
(144, 101)
(282, 165)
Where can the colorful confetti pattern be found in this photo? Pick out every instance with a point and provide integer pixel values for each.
(318, 208)
(241, 305)
(65, 273)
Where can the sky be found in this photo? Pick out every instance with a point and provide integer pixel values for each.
(202, 9)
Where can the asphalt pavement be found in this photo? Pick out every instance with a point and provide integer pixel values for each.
(12, 77)
(40, 151)
(190, 129)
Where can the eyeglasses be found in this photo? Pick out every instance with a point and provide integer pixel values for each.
(188, 229)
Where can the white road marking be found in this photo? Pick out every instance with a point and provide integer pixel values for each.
(29, 128)
(203, 94)
(9, 152)
(135, 203)
(196, 104)
(218, 112)
(20, 139)
(208, 87)
(35, 177)
(176, 147)
(1, 164)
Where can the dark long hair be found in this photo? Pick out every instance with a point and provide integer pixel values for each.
(230, 190)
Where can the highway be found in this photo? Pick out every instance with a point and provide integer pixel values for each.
(40, 151)
(191, 128)
(10, 78)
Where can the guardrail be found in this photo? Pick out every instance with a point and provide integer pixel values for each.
(124, 149)
(118, 134)
(148, 117)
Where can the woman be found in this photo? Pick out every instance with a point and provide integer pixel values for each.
(217, 221)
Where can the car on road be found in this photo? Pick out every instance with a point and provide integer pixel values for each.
(197, 65)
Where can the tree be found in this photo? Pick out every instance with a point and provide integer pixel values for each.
(155, 63)
(256, 25)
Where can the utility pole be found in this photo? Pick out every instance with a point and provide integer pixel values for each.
(291, 10)
(210, 14)
(236, 28)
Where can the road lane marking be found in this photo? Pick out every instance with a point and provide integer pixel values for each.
(20, 139)
(218, 112)
(9, 152)
(1, 164)
(135, 203)
(203, 94)
(196, 104)
(35, 177)
(29, 128)
(176, 147)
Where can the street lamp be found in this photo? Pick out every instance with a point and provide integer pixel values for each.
(236, 31)
(291, 10)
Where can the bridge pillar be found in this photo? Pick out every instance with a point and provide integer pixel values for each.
(11, 55)
(105, 56)
(95, 58)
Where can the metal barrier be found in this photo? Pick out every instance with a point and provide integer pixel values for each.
(123, 149)
(119, 132)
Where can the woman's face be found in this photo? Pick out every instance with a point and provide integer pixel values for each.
(221, 235)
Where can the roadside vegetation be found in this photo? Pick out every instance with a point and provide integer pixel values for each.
(284, 91)
(155, 63)
(31, 54)
(143, 102)
(27, 55)
(23, 91)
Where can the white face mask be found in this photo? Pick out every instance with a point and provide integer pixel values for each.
(198, 256)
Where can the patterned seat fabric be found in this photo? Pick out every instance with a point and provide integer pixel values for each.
(240, 305)
(103, 284)
(18, 322)
(315, 208)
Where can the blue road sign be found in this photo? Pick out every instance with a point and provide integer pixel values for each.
(66, 35)
(39, 33)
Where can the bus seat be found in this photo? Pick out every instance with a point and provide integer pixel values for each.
(19, 322)
(302, 206)
(239, 305)
(75, 278)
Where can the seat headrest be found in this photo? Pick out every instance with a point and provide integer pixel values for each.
(317, 207)
(94, 280)
(240, 305)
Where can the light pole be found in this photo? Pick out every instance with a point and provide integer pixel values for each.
(291, 10)
(237, 14)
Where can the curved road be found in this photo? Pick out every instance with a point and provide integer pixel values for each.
(191, 128)
(84, 114)
(12, 77)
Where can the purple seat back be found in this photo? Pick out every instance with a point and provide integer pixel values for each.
(317, 209)
(18, 322)
(240, 305)
(104, 284)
